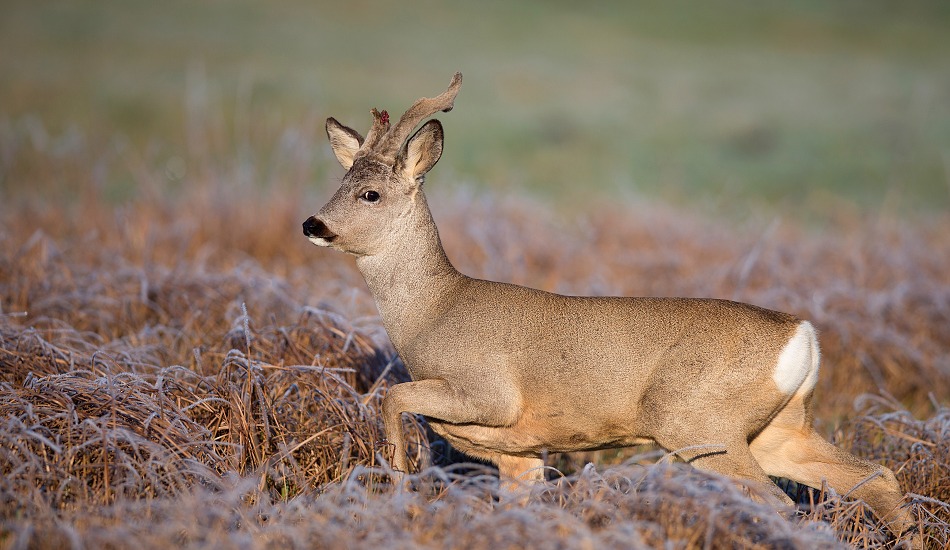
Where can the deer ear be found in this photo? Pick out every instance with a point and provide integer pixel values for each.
(344, 141)
(422, 151)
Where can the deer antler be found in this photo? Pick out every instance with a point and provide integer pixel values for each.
(376, 133)
(386, 141)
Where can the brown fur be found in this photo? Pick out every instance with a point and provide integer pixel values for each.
(507, 373)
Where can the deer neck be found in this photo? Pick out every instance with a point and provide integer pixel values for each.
(412, 280)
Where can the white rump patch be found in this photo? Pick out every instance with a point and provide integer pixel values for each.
(797, 366)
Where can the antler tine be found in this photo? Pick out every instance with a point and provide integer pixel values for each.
(379, 129)
(422, 108)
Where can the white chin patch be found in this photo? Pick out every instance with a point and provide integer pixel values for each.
(797, 366)
(318, 241)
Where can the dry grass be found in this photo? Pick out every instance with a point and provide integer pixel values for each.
(189, 371)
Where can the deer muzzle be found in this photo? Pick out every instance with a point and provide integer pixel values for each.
(317, 231)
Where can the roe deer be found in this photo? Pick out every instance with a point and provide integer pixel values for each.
(506, 373)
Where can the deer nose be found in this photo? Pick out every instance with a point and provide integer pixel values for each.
(312, 227)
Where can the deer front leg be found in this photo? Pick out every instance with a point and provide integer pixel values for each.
(517, 472)
(437, 399)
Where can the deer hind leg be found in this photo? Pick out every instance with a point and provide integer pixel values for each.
(789, 447)
(734, 459)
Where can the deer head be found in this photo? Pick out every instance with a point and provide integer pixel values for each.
(385, 172)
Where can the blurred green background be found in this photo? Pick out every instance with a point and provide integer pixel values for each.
(728, 106)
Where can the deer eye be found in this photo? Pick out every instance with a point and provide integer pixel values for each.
(370, 196)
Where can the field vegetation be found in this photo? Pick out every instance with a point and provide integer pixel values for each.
(180, 367)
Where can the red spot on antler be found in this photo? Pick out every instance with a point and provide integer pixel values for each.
(384, 117)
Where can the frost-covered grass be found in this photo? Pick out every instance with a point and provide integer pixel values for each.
(184, 368)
